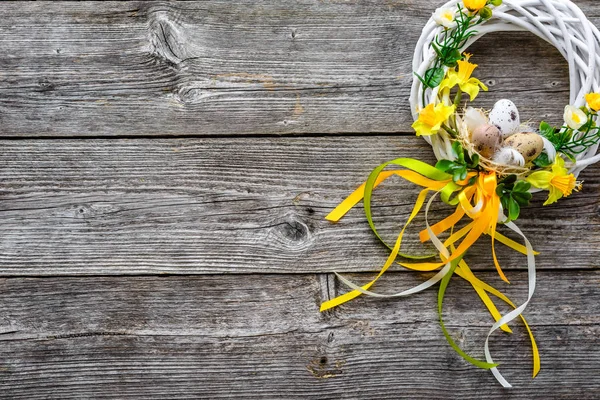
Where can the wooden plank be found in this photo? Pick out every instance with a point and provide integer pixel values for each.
(239, 68)
(263, 337)
(234, 205)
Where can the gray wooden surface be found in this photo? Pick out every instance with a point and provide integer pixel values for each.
(165, 168)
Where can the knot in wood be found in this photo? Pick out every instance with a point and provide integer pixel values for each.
(294, 230)
(292, 233)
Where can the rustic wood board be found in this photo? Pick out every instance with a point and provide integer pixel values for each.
(137, 265)
(253, 336)
(238, 68)
(233, 205)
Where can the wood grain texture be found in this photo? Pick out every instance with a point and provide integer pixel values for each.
(194, 267)
(235, 206)
(254, 337)
(238, 68)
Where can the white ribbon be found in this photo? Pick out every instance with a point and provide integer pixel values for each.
(444, 271)
(517, 311)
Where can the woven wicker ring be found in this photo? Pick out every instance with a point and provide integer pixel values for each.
(489, 163)
(559, 22)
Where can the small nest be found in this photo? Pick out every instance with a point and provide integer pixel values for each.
(486, 163)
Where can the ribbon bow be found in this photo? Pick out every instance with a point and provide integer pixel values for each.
(474, 197)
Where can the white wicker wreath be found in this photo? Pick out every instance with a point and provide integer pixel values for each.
(559, 22)
(489, 164)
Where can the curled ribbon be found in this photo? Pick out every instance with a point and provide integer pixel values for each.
(479, 202)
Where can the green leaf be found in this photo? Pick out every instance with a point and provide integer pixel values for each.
(436, 45)
(496, 3)
(547, 130)
(433, 77)
(455, 167)
(565, 135)
(500, 190)
(522, 186)
(513, 209)
(510, 179)
(522, 198)
(542, 161)
(513, 195)
(450, 56)
(459, 152)
(467, 158)
(459, 169)
(444, 165)
(420, 78)
(456, 176)
(459, 174)
(457, 149)
(504, 200)
(474, 161)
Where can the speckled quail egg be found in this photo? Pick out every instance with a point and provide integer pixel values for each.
(486, 140)
(529, 145)
(505, 116)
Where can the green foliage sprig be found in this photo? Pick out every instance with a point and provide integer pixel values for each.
(461, 166)
(513, 195)
(448, 47)
(569, 141)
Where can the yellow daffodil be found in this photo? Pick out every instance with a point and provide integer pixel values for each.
(574, 117)
(474, 5)
(462, 78)
(593, 100)
(431, 119)
(445, 17)
(557, 181)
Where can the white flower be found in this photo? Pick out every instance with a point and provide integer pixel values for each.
(574, 117)
(445, 17)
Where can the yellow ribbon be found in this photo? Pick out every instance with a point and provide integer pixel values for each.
(390, 260)
(479, 202)
(484, 214)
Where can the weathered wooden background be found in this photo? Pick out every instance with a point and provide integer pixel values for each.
(165, 169)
